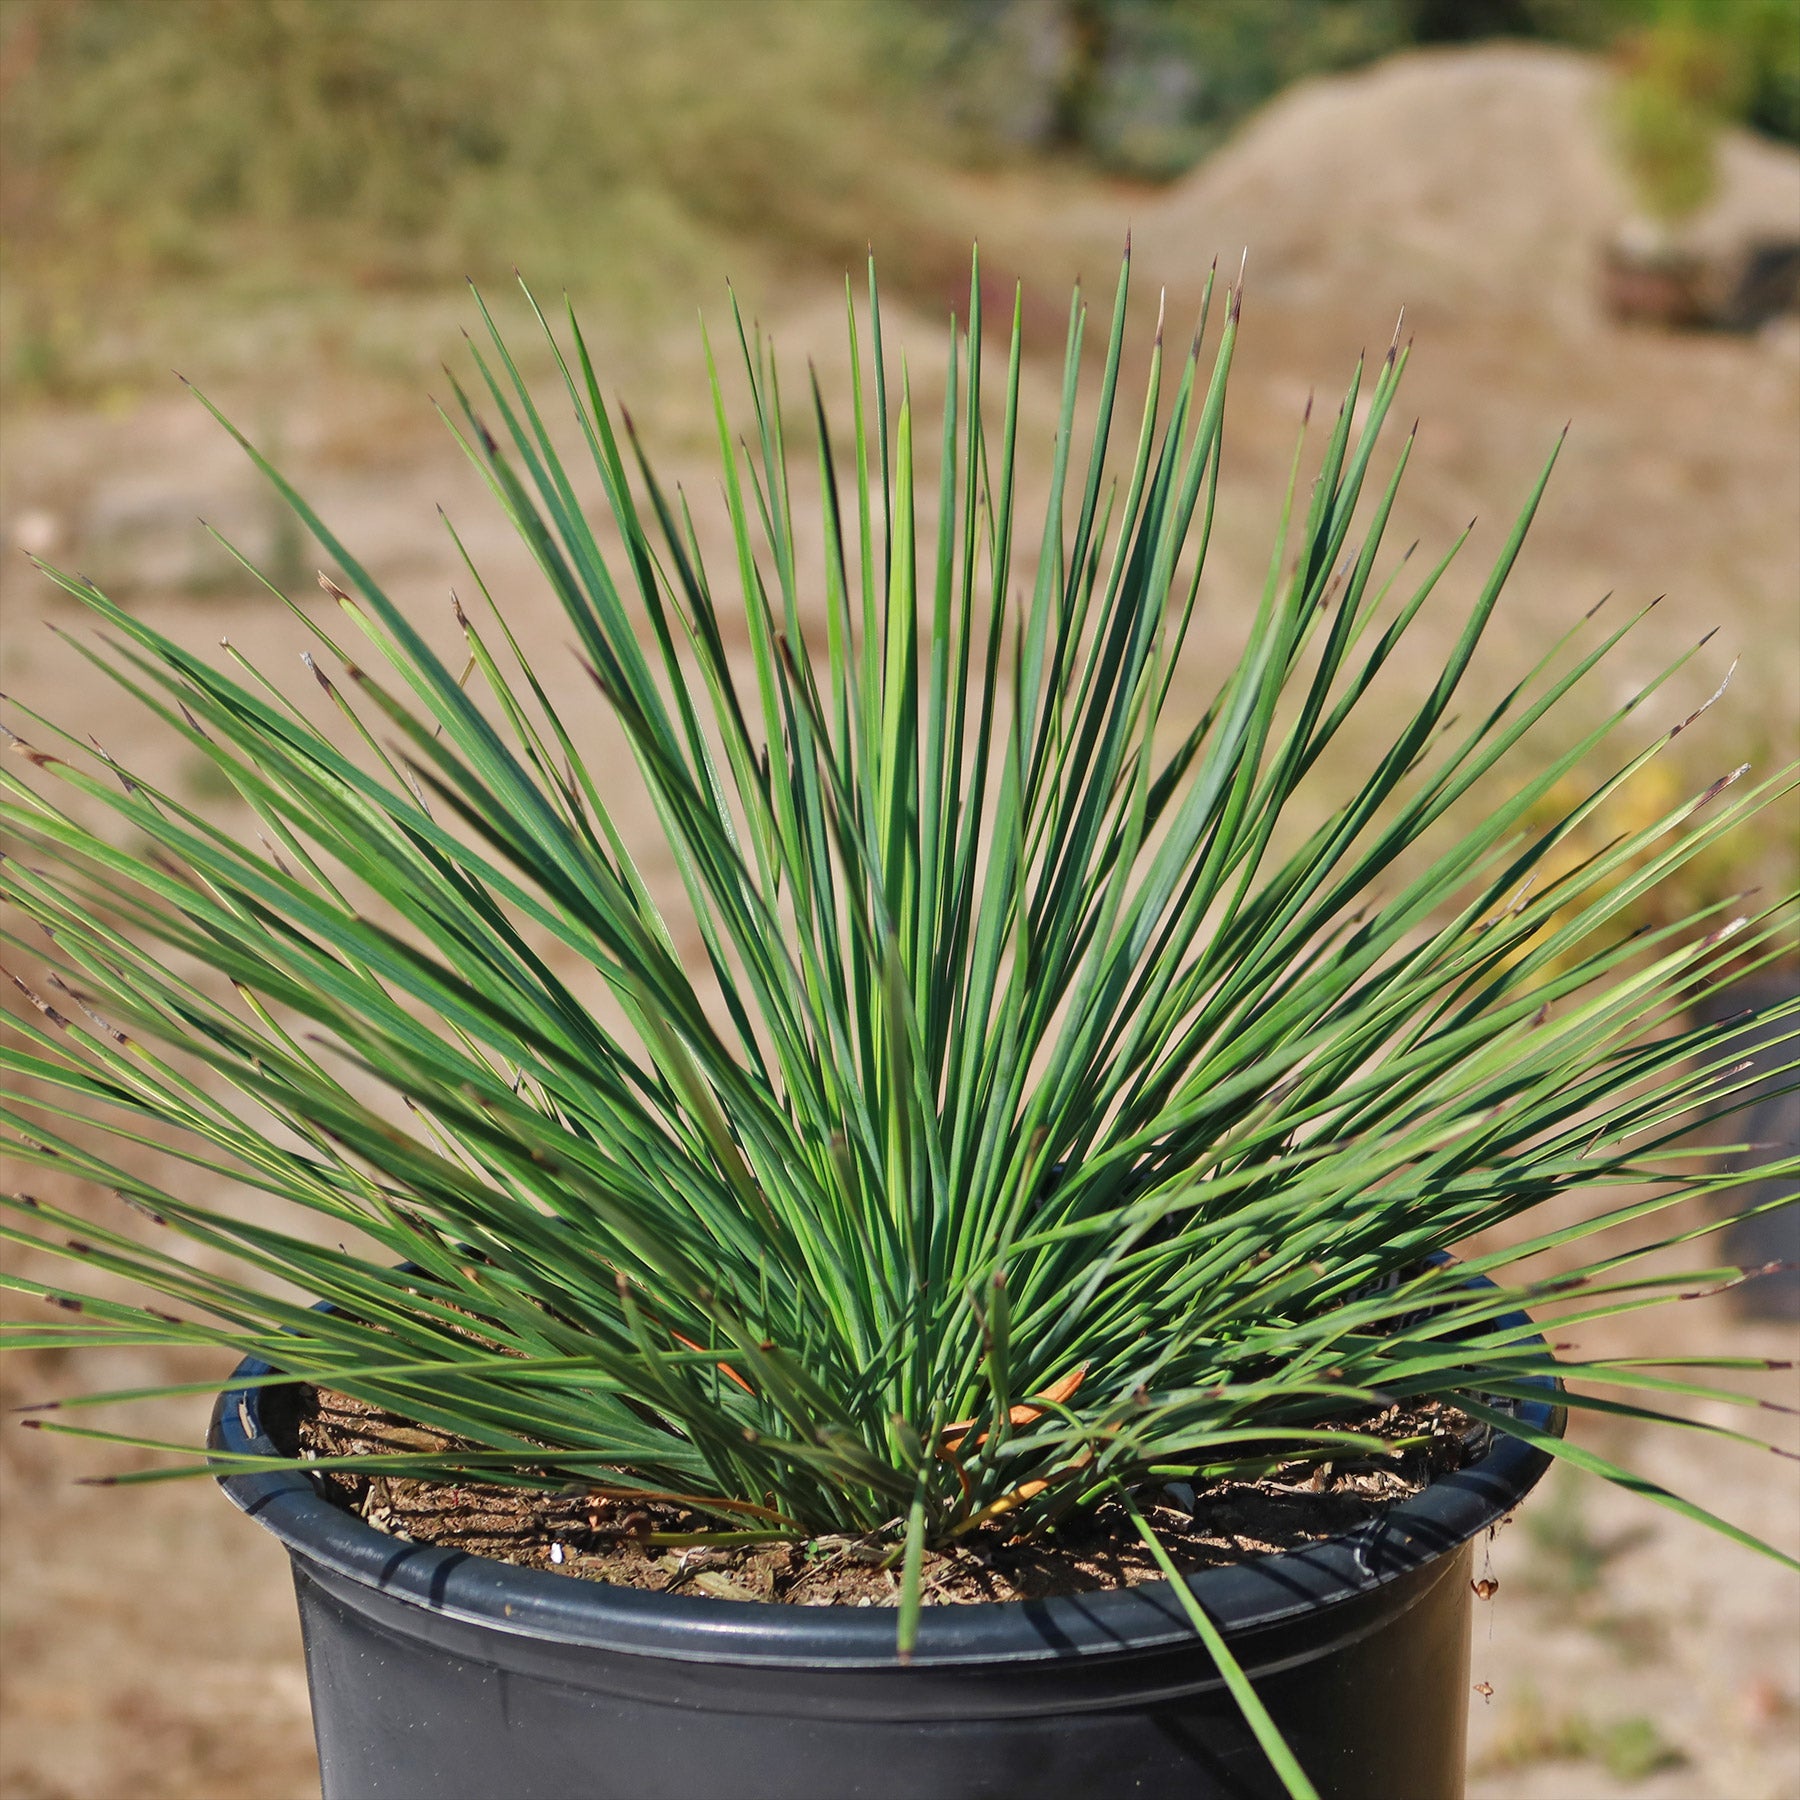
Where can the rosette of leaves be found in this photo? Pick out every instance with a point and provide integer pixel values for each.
(1058, 1100)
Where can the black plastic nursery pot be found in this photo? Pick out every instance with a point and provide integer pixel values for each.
(439, 1675)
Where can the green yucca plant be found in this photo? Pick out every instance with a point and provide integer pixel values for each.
(1055, 1108)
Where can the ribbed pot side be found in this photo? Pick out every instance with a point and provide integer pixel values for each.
(438, 1675)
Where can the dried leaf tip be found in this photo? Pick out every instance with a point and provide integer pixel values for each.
(39, 759)
(1730, 929)
(332, 588)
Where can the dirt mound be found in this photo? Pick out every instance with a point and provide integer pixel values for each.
(1481, 178)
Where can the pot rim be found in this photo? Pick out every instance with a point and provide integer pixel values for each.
(1264, 1591)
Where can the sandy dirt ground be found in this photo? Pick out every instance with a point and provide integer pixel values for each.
(150, 1650)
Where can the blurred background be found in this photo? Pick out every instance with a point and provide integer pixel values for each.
(1590, 210)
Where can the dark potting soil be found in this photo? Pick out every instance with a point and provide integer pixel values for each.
(600, 1539)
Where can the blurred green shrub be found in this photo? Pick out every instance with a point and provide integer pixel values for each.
(1694, 67)
(414, 140)
(623, 148)
(1764, 36)
(1678, 87)
(1146, 87)
(419, 139)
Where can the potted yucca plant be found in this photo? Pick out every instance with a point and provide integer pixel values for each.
(1023, 1123)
